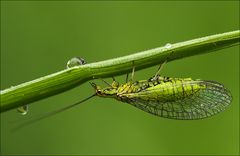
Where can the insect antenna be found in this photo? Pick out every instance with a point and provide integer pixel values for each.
(49, 114)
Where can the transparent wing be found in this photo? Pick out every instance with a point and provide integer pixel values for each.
(214, 98)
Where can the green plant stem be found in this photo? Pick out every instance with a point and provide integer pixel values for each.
(69, 78)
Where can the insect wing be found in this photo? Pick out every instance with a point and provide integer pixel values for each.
(208, 101)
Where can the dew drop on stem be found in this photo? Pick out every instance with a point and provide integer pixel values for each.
(23, 110)
(168, 45)
(75, 61)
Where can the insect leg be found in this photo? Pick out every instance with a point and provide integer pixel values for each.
(114, 83)
(159, 69)
(106, 82)
(161, 66)
(133, 70)
(127, 78)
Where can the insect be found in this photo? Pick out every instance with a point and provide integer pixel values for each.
(173, 98)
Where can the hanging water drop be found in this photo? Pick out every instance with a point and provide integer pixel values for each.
(168, 45)
(23, 110)
(75, 61)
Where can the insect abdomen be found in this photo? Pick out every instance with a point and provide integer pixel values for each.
(182, 89)
(169, 91)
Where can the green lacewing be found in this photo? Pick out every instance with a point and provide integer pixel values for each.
(174, 98)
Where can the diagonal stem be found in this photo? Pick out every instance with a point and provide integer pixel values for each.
(64, 80)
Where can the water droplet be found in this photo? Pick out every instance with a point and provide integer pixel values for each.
(75, 61)
(168, 45)
(23, 110)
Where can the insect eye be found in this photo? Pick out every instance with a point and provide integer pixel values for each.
(98, 92)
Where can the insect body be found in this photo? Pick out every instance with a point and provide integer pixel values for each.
(173, 98)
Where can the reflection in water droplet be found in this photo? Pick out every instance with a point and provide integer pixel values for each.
(168, 45)
(75, 61)
(23, 110)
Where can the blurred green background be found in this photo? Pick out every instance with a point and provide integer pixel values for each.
(38, 38)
